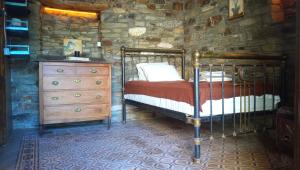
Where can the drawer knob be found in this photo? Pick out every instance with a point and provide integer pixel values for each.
(93, 70)
(98, 82)
(77, 95)
(98, 97)
(54, 98)
(78, 109)
(77, 81)
(55, 83)
(60, 70)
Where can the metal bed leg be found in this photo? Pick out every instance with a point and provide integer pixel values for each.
(124, 112)
(153, 114)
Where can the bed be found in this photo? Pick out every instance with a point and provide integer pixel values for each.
(240, 85)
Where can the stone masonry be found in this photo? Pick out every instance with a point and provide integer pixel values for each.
(208, 28)
(189, 24)
(163, 21)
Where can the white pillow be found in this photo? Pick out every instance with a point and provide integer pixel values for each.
(161, 72)
(216, 79)
(141, 72)
(213, 79)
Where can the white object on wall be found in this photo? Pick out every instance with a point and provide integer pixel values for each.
(164, 45)
(99, 44)
(137, 31)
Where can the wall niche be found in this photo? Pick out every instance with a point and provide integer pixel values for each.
(60, 24)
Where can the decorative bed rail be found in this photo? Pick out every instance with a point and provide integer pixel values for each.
(245, 76)
(147, 53)
(245, 86)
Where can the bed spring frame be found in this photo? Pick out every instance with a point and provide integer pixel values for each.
(247, 69)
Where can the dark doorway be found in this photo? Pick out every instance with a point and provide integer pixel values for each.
(5, 119)
(297, 96)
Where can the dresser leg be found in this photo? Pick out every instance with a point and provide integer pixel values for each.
(41, 129)
(108, 122)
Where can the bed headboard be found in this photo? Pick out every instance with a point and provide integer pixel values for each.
(134, 56)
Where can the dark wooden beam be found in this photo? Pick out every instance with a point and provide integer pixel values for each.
(77, 6)
(297, 96)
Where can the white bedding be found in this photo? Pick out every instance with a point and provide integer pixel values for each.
(217, 104)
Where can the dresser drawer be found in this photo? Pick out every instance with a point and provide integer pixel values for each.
(74, 97)
(92, 70)
(74, 83)
(58, 70)
(75, 113)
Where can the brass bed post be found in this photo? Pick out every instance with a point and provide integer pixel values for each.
(234, 94)
(210, 102)
(197, 123)
(264, 97)
(123, 84)
(283, 76)
(223, 111)
(254, 94)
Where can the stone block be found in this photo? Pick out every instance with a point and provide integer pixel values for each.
(151, 6)
(153, 39)
(214, 20)
(107, 42)
(177, 6)
(249, 21)
(114, 25)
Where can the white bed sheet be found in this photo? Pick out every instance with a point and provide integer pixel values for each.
(217, 104)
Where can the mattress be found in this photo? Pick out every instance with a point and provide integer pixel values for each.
(178, 96)
(241, 104)
(182, 91)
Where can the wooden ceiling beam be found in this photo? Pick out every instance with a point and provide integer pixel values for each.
(76, 6)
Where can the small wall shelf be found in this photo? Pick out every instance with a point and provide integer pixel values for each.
(19, 3)
(17, 50)
(16, 25)
(16, 7)
(17, 29)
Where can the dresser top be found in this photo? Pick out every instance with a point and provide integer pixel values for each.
(63, 59)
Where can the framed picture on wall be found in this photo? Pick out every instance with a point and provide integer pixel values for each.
(72, 45)
(236, 9)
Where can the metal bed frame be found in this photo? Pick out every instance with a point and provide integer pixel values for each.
(245, 74)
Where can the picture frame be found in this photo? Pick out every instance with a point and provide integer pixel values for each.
(72, 45)
(236, 9)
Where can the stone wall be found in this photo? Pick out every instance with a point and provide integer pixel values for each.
(189, 24)
(163, 24)
(163, 20)
(208, 28)
(24, 76)
(55, 28)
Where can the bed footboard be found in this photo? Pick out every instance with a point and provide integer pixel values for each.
(254, 79)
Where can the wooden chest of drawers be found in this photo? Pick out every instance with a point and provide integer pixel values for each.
(73, 92)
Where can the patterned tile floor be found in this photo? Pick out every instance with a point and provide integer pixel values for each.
(152, 144)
